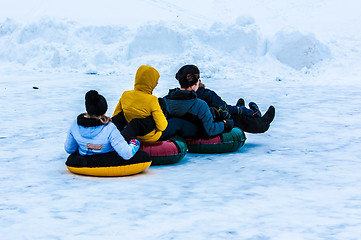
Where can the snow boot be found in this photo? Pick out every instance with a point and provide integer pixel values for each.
(269, 115)
(240, 102)
(254, 107)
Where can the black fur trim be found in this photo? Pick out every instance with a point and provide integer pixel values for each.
(88, 122)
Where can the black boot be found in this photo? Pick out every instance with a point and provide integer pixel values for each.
(254, 107)
(240, 102)
(269, 115)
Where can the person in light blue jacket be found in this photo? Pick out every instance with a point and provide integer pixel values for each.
(94, 133)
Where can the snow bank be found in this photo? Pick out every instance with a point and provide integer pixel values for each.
(242, 40)
(154, 40)
(61, 45)
(297, 50)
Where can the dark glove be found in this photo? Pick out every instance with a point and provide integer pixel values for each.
(228, 126)
(220, 114)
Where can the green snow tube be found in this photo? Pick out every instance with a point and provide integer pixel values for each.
(165, 152)
(224, 143)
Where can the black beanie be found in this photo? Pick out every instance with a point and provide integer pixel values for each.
(187, 76)
(95, 103)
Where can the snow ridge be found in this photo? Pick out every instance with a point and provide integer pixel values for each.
(52, 44)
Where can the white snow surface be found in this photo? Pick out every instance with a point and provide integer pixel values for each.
(299, 180)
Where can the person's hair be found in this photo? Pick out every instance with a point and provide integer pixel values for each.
(187, 76)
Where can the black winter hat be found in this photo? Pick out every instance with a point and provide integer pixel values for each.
(187, 76)
(95, 103)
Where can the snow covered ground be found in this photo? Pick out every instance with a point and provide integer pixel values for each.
(299, 180)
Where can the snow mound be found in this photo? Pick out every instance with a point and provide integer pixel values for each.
(241, 40)
(60, 45)
(298, 50)
(7, 27)
(155, 39)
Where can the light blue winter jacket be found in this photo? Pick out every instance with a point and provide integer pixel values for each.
(98, 139)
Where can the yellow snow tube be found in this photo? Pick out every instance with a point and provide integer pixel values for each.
(108, 164)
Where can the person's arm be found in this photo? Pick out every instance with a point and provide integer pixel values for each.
(71, 145)
(138, 127)
(118, 108)
(119, 121)
(223, 112)
(119, 144)
(211, 128)
(214, 101)
(161, 122)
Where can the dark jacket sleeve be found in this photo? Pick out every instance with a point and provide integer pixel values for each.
(211, 128)
(214, 101)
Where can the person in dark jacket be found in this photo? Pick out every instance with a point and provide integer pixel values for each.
(221, 108)
(189, 116)
(248, 122)
(248, 119)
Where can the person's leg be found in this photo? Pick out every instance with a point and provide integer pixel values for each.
(253, 109)
(256, 112)
(138, 127)
(250, 124)
(240, 110)
(119, 121)
(269, 115)
(180, 127)
(253, 124)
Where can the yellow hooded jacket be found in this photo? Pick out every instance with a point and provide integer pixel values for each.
(140, 103)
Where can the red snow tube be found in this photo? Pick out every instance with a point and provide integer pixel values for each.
(226, 142)
(165, 152)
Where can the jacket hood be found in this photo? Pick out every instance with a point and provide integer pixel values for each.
(179, 101)
(146, 79)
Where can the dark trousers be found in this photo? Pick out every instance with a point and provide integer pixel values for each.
(250, 124)
(136, 127)
(180, 127)
(142, 126)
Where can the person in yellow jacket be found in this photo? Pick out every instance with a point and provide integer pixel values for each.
(140, 103)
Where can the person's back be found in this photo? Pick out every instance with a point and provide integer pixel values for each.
(91, 136)
(183, 103)
(186, 105)
(93, 133)
(180, 102)
(140, 103)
